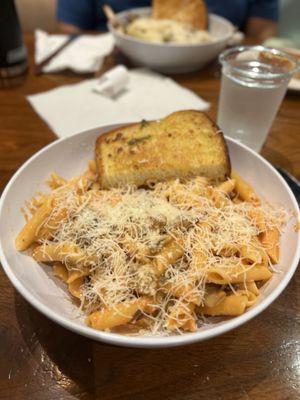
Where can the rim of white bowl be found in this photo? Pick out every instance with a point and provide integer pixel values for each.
(146, 341)
(133, 39)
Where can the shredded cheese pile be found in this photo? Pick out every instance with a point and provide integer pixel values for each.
(123, 232)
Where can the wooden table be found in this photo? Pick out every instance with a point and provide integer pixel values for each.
(41, 360)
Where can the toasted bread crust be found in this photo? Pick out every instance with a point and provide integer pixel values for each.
(159, 150)
(98, 153)
(191, 12)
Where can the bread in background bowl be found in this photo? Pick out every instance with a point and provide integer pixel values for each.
(171, 57)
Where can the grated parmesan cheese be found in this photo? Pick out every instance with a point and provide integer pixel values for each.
(123, 232)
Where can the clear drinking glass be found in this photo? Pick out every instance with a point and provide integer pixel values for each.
(254, 82)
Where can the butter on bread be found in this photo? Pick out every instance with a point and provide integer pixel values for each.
(191, 12)
(182, 145)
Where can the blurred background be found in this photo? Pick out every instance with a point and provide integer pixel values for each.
(41, 14)
(35, 14)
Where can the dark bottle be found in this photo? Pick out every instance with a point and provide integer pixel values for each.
(13, 54)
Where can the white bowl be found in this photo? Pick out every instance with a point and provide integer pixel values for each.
(171, 57)
(68, 157)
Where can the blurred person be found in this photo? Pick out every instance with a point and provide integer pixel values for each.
(257, 18)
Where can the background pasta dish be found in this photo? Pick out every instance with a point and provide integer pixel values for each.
(166, 31)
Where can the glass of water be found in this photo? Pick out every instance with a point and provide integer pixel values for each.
(254, 82)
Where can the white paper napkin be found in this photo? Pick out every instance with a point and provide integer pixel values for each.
(85, 54)
(75, 108)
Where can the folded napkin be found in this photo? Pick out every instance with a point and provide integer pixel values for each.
(148, 95)
(84, 54)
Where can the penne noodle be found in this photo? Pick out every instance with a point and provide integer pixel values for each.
(67, 253)
(122, 314)
(135, 249)
(56, 181)
(228, 250)
(78, 185)
(169, 254)
(75, 274)
(28, 234)
(270, 240)
(126, 329)
(258, 218)
(213, 296)
(249, 287)
(219, 197)
(74, 284)
(60, 270)
(198, 255)
(187, 292)
(75, 287)
(52, 224)
(226, 187)
(37, 202)
(198, 261)
(182, 316)
(252, 298)
(244, 190)
(255, 273)
(253, 253)
(237, 274)
(232, 305)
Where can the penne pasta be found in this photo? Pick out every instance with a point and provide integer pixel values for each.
(29, 233)
(52, 224)
(249, 287)
(213, 296)
(182, 316)
(253, 253)
(258, 218)
(238, 274)
(219, 197)
(155, 259)
(56, 181)
(60, 270)
(75, 287)
(232, 305)
(134, 249)
(270, 240)
(226, 187)
(188, 293)
(121, 314)
(67, 253)
(37, 202)
(73, 275)
(252, 298)
(244, 190)
(170, 253)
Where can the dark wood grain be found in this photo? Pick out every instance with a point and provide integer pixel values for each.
(41, 361)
